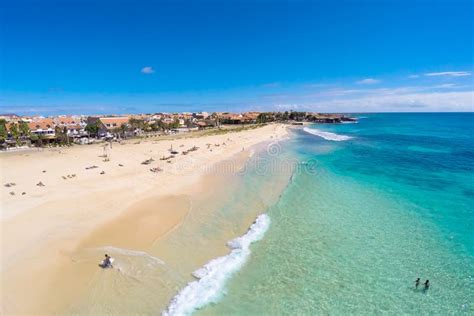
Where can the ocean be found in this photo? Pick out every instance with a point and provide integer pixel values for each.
(369, 208)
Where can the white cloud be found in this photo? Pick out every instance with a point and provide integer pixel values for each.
(368, 81)
(147, 70)
(449, 74)
(438, 98)
(411, 102)
(446, 85)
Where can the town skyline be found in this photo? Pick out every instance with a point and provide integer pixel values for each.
(17, 131)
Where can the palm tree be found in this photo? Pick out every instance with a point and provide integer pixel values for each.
(60, 135)
(92, 128)
(122, 130)
(216, 118)
(15, 133)
(24, 129)
(3, 131)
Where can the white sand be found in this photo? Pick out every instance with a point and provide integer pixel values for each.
(40, 228)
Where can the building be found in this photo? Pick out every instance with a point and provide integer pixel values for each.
(250, 117)
(231, 118)
(201, 115)
(111, 125)
(75, 126)
(43, 127)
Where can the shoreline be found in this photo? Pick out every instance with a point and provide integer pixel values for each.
(49, 226)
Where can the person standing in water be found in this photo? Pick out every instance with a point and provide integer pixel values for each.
(427, 285)
(417, 282)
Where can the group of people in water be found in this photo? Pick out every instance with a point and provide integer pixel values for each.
(426, 284)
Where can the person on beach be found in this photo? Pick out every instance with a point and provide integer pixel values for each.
(417, 282)
(107, 262)
(427, 285)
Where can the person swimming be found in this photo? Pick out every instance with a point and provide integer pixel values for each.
(417, 283)
(427, 285)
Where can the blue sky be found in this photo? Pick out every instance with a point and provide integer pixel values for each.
(71, 56)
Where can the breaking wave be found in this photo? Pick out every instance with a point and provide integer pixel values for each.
(213, 275)
(327, 135)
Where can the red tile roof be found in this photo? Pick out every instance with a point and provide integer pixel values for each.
(41, 124)
(65, 120)
(113, 122)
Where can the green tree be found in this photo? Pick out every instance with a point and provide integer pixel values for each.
(92, 128)
(24, 129)
(136, 123)
(122, 130)
(155, 127)
(216, 118)
(60, 135)
(175, 124)
(262, 118)
(40, 140)
(188, 123)
(15, 133)
(162, 125)
(147, 127)
(3, 131)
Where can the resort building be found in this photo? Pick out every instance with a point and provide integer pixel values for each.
(43, 127)
(111, 125)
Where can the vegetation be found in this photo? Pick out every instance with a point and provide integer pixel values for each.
(24, 130)
(264, 118)
(137, 124)
(123, 129)
(3, 131)
(297, 116)
(93, 128)
(188, 123)
(61, 135)
(15, 132)
(214, 116)
(160, 125)
(223, 131)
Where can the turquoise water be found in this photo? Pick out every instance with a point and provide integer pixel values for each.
(390, 203)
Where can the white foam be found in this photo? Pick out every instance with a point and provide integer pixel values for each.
(212, 276)
(327, 135)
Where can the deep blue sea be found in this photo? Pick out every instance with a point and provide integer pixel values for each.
(371, 207)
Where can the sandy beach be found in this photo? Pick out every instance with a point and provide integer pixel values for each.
(58, 202)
